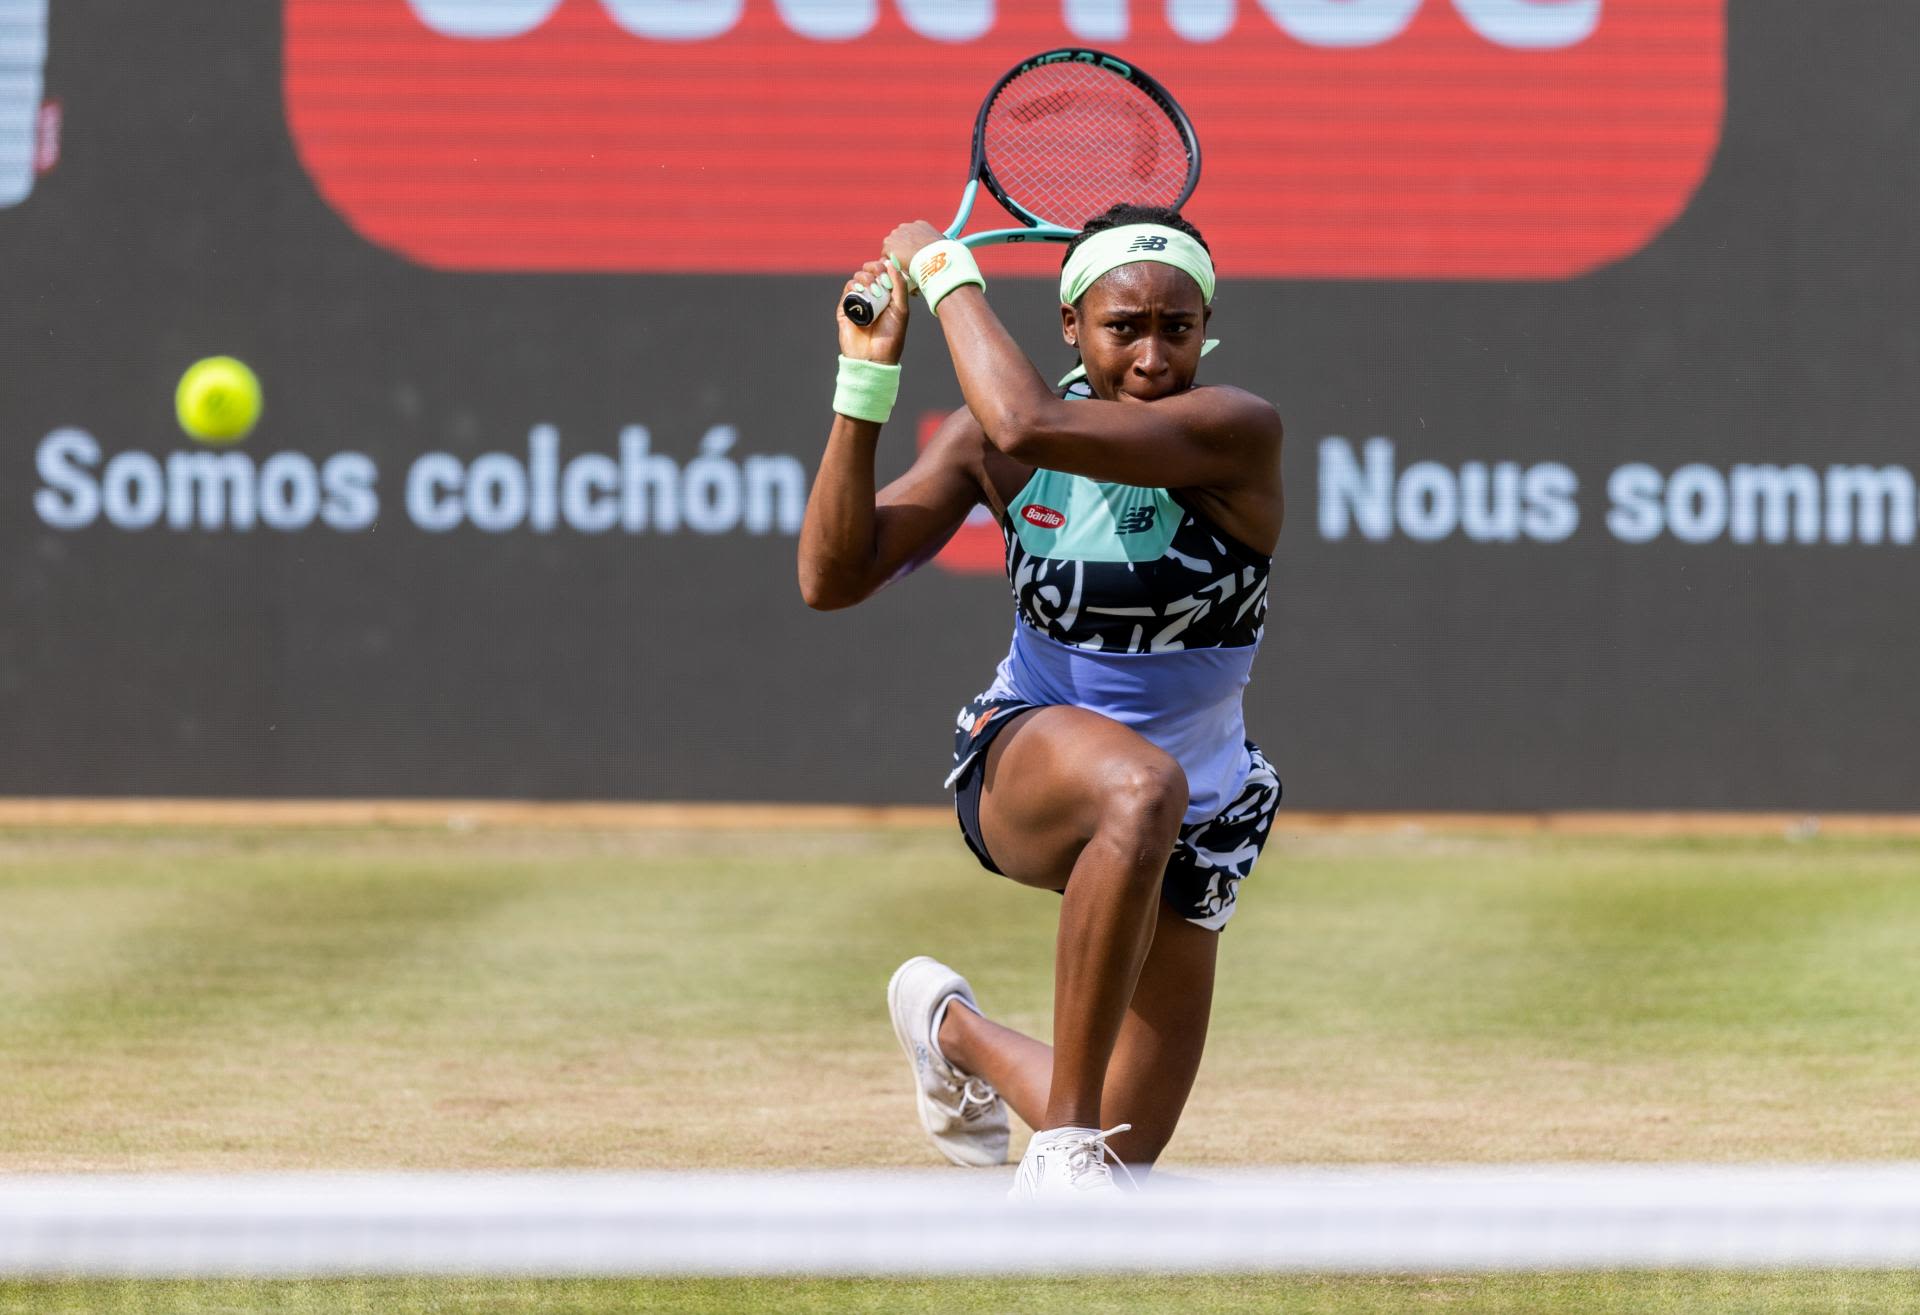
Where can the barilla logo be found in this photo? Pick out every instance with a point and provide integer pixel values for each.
(1045, 517)
(1456, 139)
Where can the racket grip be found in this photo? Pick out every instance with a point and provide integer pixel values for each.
(863, 305)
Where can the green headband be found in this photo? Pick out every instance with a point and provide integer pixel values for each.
(1108, 250)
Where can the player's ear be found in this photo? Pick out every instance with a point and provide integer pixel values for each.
(1069, 326)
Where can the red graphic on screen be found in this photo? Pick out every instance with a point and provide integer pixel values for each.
(46, 140)
(1475, 139)
(976, 548)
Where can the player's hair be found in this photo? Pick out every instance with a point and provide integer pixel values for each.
(1125, 212)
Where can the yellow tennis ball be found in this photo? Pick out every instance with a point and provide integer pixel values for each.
(218, 400)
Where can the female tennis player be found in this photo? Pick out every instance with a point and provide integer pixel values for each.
(1108, 759)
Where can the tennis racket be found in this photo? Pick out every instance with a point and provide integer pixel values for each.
(1062, 137)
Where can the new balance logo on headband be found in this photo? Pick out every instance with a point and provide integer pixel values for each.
(1148, 242)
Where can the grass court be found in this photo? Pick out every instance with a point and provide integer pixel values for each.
(226, 999)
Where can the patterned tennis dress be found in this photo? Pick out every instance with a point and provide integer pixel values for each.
(1132, 604)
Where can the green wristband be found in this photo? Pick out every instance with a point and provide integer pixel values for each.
(865, 390)
(943, 267)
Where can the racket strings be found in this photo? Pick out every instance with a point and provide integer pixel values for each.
(1067, 141)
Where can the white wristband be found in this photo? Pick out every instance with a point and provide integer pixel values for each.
(940, 268)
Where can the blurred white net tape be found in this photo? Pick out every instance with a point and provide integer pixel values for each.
(957, 1222)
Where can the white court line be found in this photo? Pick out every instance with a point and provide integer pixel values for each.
(957, 1222)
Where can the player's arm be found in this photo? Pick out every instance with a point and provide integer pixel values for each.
(853, 540)
(1202, 438)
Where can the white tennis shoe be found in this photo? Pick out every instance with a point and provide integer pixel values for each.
(963, 1114)
(1068, 1166)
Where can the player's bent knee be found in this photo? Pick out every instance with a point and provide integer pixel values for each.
(1145, 798)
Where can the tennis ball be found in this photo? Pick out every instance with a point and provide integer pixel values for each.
(218, 400)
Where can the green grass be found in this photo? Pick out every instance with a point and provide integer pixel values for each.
(1598, 1294)
(234, 1000)
(411, 999)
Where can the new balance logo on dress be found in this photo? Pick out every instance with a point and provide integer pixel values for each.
(1137, 520)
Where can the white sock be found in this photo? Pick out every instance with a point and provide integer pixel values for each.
(939, 1016)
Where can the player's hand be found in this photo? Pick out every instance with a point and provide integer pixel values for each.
(886, 337)
(905, 242)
